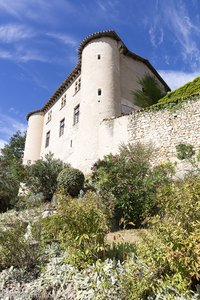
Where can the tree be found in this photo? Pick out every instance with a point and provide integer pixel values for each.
(42, 176)
(149, 93)
(14, 150)
(11, 170)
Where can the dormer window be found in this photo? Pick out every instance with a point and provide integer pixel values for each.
(77, 85)
(63, 101)
(49, 116)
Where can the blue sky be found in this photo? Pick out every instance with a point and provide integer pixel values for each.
(39, 41)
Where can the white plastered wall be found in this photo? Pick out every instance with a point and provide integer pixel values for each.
(33, 138)
(65, 146)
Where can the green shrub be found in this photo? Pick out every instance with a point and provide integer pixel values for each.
(131, 180)
(15, 250)
(80, 225)
(42, 176)
(71, 181)
(168, 256)
(184, 151)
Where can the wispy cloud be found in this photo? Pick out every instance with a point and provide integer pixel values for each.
(156, 35)
(186, 33)
(22, 54)
(107, 5)
(13, 32)
(37, 10)
(33, 77)
(9, 125)
(171, 22)
(176, 79)
(64, 38)
(2, 144)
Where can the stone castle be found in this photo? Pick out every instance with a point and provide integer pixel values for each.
(89, 114)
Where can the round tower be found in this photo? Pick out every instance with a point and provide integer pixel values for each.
(100, 91)
(100, 78)
(33, 138)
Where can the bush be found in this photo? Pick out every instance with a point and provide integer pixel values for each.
(184, 151)
(132, 181)
(71, 181)
(80, 226)
(42, 176)
(168, 256)
(15, 250)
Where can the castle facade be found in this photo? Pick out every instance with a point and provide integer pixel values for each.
(86, 117)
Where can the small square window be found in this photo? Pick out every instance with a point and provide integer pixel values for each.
(76, 114)
(47, 139)
(63, 101)
(99, 56)
(77, 85)
(99, 92)
(62, 127)
(49, 116)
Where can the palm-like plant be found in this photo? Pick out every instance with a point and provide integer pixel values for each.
(149, 93)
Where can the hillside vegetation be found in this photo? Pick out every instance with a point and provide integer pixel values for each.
(174, 99)
(187, 90)
(66, 237)
(62, 251)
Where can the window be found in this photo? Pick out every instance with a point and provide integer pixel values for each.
(98, 56)
(62, 126)
(49, 116)
(47, 139)
(76, 114)
(63, 101)
(77, 85)
(99, 92)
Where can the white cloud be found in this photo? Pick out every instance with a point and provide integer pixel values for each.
(33, 77)
(156, 36)
(5, 54)
(186, 32)
(12, 32)
(8, 126)
(64, 38)
(37, 10)
(2, 144)
(176, 79)
(21, 54)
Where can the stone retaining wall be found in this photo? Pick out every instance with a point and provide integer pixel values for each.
(165, 129)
